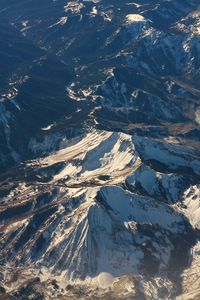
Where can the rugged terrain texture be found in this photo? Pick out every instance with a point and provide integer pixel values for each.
(99, 149)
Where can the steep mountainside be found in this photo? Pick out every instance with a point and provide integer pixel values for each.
(99, 149)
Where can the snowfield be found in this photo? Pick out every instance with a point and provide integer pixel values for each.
(100, 150)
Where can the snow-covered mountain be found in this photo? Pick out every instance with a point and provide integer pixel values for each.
(99, 149)
(139, 62)
(94, 213)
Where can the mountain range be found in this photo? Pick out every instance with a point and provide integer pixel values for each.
(99, 149)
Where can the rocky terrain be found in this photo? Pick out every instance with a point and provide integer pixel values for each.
(99, 149)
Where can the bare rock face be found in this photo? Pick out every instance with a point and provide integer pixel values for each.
(92, 213)
(99, 150)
